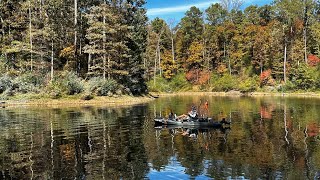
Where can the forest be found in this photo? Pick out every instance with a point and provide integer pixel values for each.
(110, 47)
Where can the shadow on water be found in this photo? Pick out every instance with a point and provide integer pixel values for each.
(269, 138)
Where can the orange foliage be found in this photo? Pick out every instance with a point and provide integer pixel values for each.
(313, 60)
(266, 78)
(312, 129)
(198, 76)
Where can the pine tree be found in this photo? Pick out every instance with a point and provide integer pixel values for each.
(106, 35)
(135, 17)
(191, 26)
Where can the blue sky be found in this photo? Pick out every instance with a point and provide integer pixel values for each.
(175, 9)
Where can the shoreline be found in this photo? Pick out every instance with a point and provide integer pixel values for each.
(73, 102)
(239, 94)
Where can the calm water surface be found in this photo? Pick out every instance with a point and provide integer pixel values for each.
(270, 138)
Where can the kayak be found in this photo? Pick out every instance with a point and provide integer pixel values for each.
(201, 122)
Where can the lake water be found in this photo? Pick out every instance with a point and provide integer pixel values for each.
(270, 138)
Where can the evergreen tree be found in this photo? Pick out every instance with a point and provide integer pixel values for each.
(135, 16)
(191, 26)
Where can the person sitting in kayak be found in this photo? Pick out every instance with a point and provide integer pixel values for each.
(191, 115)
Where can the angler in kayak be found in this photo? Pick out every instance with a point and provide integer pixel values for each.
(190, 119)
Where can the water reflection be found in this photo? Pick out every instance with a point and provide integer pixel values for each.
(270, 138)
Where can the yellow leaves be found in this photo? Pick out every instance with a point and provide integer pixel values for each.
(67, 52)
(168, 66)
(195, 58)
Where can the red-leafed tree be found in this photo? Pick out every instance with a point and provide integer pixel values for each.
(266, 78)
(313, 60)
(198, 76)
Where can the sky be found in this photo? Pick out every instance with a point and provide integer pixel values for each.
(174, 10)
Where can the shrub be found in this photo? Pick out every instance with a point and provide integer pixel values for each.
(226, 83)
(67, 83)
(303, 77)
(102, 87)
(266, 78)
(28, 83)
(161, 85)
(249, 85)
(198, 76)
(180, 83)
(5, 83)
(289, 86)
(176, 84)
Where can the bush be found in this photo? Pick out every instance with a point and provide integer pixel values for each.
(67, 83)
(198, 76)
(176, 84)
(6, 94)
(180, 83)
(161, 85)
(289, 86)
(226, 83)
(28, 83)
(304, 77)
(102, 87)
(6, 83)
(249, 84)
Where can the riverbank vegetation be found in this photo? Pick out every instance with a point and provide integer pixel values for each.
(65, 48)
(108, 48)
(271, 48)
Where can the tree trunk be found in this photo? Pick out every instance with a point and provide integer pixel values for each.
(171, 23)
(30, 35)
(89, 61)
(2, 30)
(155, 68)
(261, 66)
(109, 67)
(75, 30)
(104, 67)
(305, 25)
(158, 48)
(172, 48)
(159, 56)
(104, 45)
(225, 56)
(229, 65)
(305, 45)
(285, 62)
(51, 60)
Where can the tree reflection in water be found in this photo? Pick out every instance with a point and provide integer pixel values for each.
(269, 138)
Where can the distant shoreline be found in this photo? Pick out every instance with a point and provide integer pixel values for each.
(237, 93)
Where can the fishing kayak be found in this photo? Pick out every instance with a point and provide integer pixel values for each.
(201, 122)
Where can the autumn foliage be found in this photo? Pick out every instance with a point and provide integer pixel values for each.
(197, 76)
(313, 60)
(266, 78)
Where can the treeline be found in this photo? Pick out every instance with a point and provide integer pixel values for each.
(69, 47)
(270, 48)
(108, 47)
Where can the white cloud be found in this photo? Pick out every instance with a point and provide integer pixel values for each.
(168, 10)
